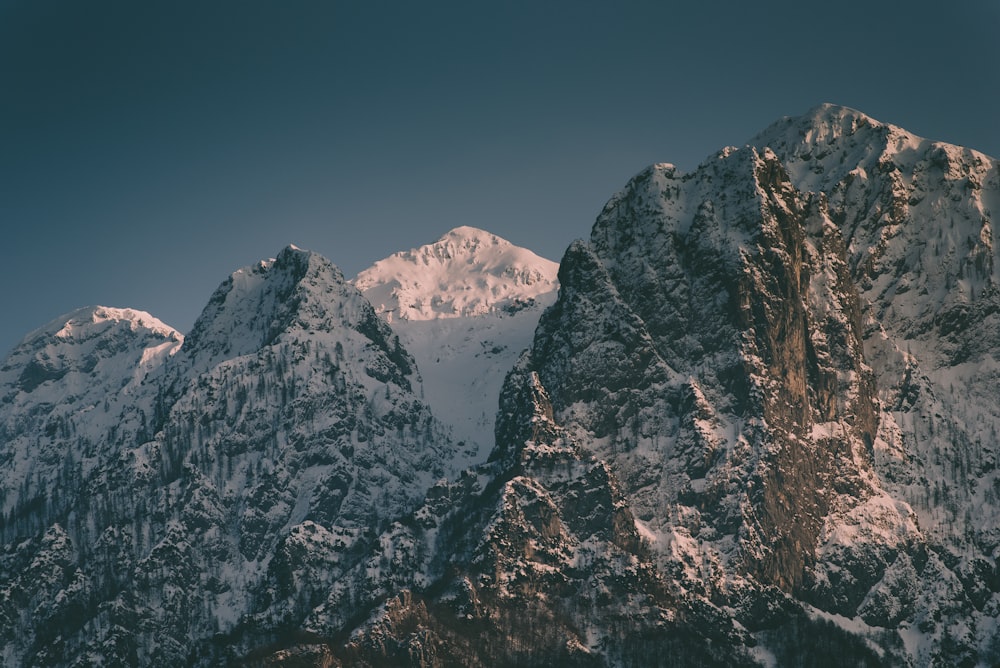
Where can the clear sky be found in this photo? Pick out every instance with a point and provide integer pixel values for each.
(148, 149)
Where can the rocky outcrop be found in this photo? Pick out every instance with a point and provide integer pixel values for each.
(707, 345)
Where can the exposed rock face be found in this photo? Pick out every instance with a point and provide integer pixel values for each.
(745, 345)
(917, 217)
(726, 381)
(771, 381)
(526, 559)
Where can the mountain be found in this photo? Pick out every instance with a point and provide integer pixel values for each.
(777, 381)
(467, 272)
(465, 307)
(787, 369)
(269, 450)
(756, 425)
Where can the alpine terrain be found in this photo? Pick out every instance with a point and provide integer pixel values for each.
(752, 422)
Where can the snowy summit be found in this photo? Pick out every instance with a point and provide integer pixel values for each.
(466, 272)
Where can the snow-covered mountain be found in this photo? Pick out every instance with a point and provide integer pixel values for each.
(269, 450)
(465, 307)
(70, 387)
(786, 375)
(756, 426)
(467, 272)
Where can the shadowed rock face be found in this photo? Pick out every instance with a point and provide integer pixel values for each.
(700, 333)
(516, 561)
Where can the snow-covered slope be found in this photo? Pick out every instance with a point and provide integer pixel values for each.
(465, 307)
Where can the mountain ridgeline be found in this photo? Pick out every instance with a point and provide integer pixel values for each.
(756, 425)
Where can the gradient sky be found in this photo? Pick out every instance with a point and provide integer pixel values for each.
(148, 149)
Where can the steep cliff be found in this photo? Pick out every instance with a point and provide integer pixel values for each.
(779, 370)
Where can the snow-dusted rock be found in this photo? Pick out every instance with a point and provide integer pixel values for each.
(270, 449)
(66, 391)
(784, 358)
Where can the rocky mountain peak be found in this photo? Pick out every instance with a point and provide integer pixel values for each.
(755, 320)
(290, 409)
(886, 190)
(697, 292)
(826, 124)
(296, 292)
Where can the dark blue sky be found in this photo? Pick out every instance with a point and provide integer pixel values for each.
(147, 149)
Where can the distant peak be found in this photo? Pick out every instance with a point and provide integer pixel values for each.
(828, 113)
(829, 109)
(656, 170)
(468, 239)
(466, 232)
(65, 325)
(97, 321)
(468, 271)
(291, 250)
(299, 262)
